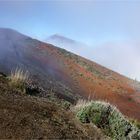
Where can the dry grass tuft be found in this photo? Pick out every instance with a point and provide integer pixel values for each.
(18, 78)
(81, 103)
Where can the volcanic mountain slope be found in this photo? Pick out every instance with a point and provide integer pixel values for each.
(68, 75)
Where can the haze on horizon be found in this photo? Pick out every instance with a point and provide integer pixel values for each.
(110, 28)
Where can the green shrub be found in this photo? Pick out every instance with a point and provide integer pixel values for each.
(135, 122)
(109, 119)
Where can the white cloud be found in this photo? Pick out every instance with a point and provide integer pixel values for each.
(121, 57)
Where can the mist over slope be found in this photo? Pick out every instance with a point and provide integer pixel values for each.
(20, 51)
(121, 57)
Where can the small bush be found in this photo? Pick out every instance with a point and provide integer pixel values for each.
(18, 78)
(109, 119)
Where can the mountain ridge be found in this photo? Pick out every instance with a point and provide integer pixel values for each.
(61, 37)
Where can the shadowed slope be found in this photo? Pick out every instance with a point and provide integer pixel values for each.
(27, 117)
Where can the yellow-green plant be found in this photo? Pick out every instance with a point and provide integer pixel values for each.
(18, 78)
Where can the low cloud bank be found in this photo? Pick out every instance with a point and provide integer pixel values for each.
(121, 57)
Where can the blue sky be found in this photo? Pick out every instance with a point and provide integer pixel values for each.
(111, 28)
(88, 21)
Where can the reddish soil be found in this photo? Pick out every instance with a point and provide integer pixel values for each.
(101, 83)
